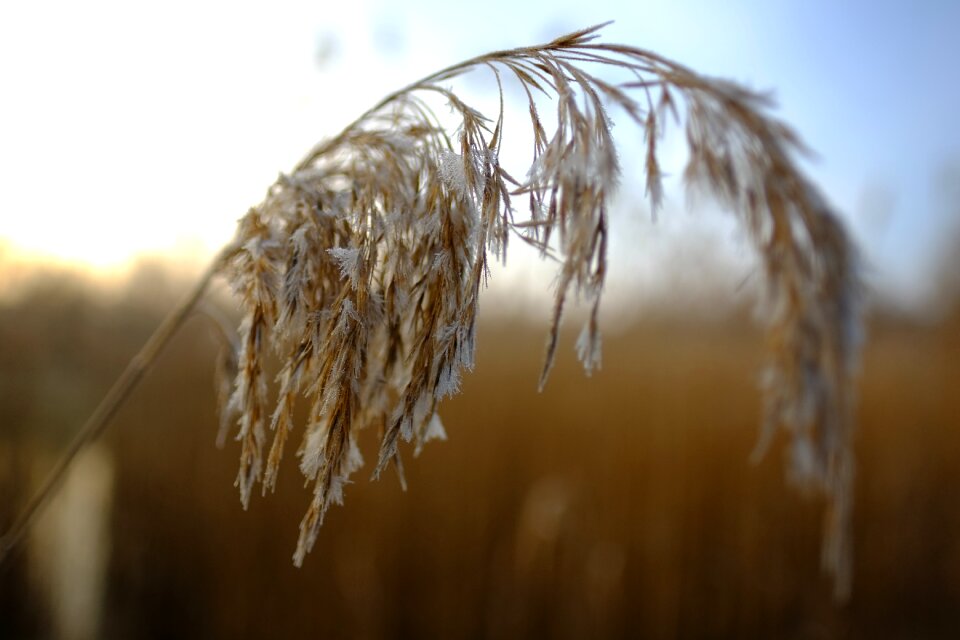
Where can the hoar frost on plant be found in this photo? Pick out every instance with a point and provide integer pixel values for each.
(362, 268)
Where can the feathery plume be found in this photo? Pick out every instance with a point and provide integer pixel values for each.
(362, 268)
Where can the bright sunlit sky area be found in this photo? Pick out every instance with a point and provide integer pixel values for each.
(131, 129)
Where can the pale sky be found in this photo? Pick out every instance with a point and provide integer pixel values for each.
(129, 128)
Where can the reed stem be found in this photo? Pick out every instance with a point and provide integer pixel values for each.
(98, 421)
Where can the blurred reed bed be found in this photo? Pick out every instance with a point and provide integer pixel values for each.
(619, 505)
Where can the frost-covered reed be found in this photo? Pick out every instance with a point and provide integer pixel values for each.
(362, 268)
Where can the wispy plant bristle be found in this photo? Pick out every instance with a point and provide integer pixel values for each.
(362, 268)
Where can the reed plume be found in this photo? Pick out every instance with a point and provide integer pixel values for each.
(362, 268)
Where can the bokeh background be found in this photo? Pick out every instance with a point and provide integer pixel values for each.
(620, 505)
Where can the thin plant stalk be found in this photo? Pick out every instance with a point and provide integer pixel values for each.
(100, 419)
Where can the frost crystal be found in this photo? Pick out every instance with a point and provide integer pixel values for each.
(588, 348)
(348, 260)
(452, 172)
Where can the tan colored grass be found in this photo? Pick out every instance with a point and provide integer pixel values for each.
(363, 267)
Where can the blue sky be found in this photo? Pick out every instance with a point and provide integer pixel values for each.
(129, 127)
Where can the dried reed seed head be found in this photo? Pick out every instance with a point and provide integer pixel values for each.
(363, 267)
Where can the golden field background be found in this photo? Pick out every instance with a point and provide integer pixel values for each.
(621, 505)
